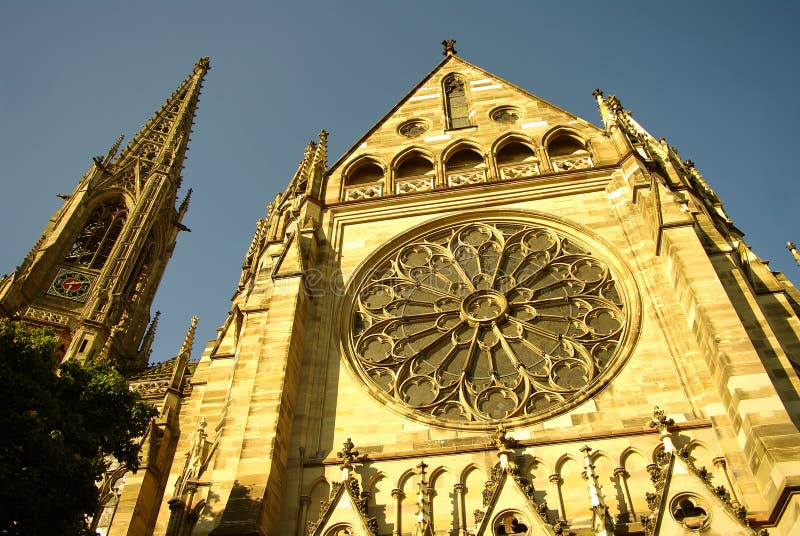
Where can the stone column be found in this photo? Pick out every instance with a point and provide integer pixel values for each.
(397, 495)
(302, 517)
(556, 481)
(622, 478)
(458, 490)
(177, 509)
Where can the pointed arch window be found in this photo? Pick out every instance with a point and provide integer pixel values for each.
(364, 180)
(516, 159)
(415, 173)
(456, 102)
(465, 166)
(94, 242)
(568, 152)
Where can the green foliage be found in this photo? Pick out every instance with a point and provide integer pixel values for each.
(56, 431)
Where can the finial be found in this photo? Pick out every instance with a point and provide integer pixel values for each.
(501, 441)
(348, 454)
(660, 420)
(614, 104)
(422, 466)
(147, 341)
(310, 146)
(791, 247)
(597, 93)
(449, 47)
(105, 351)
(202, 65)
(188, 341)
(185, 203)
(321, 155)
(112, 152)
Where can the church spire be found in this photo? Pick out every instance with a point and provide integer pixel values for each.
(161, 143)
(93, 274)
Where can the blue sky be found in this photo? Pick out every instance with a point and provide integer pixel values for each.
(716, 78)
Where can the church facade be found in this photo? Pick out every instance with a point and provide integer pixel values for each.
(487, 317)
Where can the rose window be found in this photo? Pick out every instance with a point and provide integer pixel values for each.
(476, 323)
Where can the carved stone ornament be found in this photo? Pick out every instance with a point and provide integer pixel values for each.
(691, 512)
(413, 128)
(505, 114)
(498, 319)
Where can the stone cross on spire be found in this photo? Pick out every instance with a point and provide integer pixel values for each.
(449, 47)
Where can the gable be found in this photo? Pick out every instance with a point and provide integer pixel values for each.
(684, 502)
(507, 503)
(420, 123)
(344, 513)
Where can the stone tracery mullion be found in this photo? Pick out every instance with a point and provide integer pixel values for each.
(554, 259)
(507, 348)
(444, 335)
(447, 253)
(445, 361)
(534, 329)
(473, 345)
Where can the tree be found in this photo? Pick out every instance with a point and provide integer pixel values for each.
(56, 430)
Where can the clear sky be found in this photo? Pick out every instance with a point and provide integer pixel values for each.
(716, 78)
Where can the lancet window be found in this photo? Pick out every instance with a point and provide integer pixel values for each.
(456, 102)
(93, 245)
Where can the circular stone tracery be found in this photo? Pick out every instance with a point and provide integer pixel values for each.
(483, 307)
(475, 323)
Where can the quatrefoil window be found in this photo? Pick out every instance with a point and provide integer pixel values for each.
(477, 323)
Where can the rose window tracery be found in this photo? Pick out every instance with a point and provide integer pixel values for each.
(480, 322)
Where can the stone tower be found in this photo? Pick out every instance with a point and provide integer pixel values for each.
(490, 316)
(92, 275)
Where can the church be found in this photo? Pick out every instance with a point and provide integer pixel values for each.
(488, 316)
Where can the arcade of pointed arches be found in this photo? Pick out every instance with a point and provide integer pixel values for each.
(512, 156)
(457, 492)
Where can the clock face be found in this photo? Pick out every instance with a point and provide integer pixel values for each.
(71, 284)
(498, 319)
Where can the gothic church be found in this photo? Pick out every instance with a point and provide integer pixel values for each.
(487, 317)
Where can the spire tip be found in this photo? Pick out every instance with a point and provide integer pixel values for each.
(202, 65)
